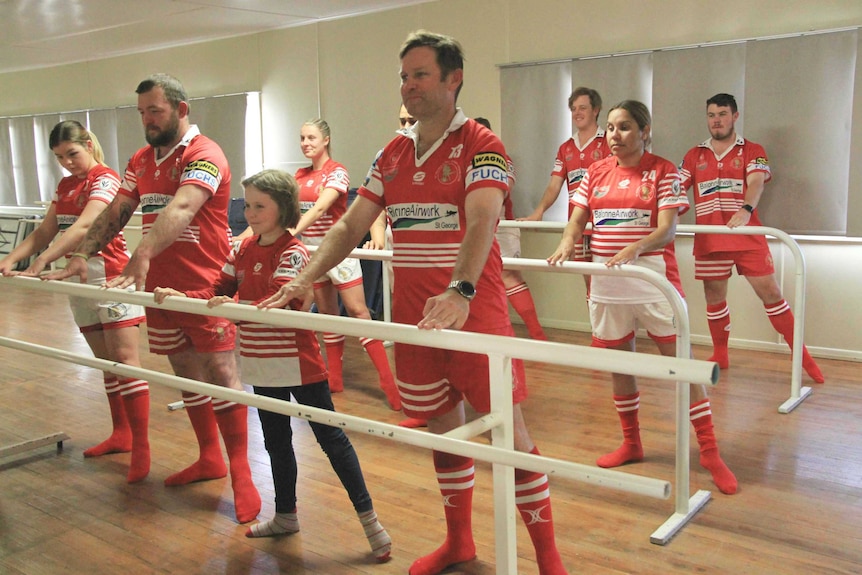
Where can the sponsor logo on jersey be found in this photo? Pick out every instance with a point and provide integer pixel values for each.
(600, 191)
(575, 176)
(419, 177)
(64, 221)
(629, 217)
(624, 184)
(675, 189)
(201, 176)
(257, 267)
(283, 272)
(488, 174)
(737, 163)
(339, 177)
(490, 159)
(154, 202)
(719, 185)
(761, 161)
(295, 260)
(203, 166)
(424, 217)
(448, 173)
(106, 184)
(305, 206)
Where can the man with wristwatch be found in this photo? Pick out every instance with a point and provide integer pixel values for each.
(442, 183)
(727, 174)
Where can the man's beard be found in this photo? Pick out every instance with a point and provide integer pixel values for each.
(164, 137)
(721, 136)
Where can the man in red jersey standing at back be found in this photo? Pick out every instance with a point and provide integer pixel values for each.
(587, 145)
(727, 174)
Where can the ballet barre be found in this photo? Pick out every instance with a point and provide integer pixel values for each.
(500, 350)
(798, 392)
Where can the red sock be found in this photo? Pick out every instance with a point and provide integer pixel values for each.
(334, 343)
(210, 463)
(631, 449)
(522, 300)
(377, 352)
(455, 475)
(781, 316)
(413, 422)
(533, 499)
(718, 316)
(232, 421)
(120, 440)
(136, 400)
(700, 415)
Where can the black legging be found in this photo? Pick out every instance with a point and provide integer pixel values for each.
(278, 439)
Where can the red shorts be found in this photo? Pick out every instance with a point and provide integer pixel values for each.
(719, 265)
(171, 332)
(432, 381)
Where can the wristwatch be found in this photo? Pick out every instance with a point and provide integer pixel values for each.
(748, 208)
(465, 289)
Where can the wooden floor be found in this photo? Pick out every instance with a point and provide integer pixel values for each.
(798, 510)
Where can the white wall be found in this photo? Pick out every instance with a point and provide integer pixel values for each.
(346, 72)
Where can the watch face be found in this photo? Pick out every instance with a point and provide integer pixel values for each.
(465, 289)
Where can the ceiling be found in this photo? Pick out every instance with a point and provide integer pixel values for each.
(42, 33)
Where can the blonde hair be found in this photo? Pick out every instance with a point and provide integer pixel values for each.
(74, 132)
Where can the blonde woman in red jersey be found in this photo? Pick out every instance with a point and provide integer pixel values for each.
(323, 190)
(110, 328)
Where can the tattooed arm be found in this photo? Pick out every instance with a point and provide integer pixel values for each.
(170, 224)
(107, 225)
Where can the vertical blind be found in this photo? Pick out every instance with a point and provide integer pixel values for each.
(29, 173)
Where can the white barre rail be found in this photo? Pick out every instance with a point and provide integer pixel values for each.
(798, 392)
(686, 505)
(500, 351)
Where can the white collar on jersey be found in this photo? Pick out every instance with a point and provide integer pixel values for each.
(187, 137)
(708, 143)
(600, 133)
(457, 121)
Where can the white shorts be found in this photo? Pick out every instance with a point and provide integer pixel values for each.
(510, 242)
(616, 323)
(93, 315)
(346, 274)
